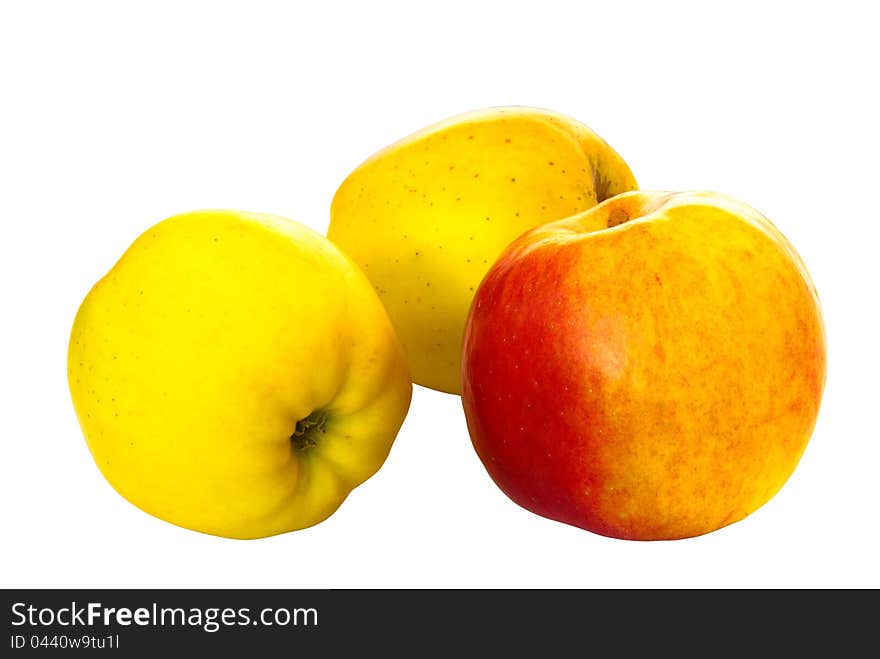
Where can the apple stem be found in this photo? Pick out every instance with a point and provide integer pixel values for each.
(304, 437)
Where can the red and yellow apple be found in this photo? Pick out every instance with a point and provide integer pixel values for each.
(651, 368)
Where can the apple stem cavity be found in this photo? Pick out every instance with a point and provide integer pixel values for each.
(306, 434)
(617, 216)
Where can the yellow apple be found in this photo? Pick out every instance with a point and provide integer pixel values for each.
(427, 216)
(649, 369)
(236, 374)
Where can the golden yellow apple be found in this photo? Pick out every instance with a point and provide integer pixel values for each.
(427, 216)
(649, 369)
(236, 374)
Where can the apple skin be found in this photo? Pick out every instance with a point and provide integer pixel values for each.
(427, 216)
(649, 369)
(235, 374)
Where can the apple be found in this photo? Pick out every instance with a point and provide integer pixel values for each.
(426, 217)
(236, 374)
(651, 368)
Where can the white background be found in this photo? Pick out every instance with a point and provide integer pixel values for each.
(116, 115)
